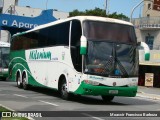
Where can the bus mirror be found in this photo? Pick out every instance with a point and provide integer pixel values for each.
(146, 50)
(83, 49)
(139, 44)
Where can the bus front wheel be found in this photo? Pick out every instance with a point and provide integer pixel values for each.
(107, 98)
(63, 90)
(24, 82)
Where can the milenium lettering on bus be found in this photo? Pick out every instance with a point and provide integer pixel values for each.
(36, 55)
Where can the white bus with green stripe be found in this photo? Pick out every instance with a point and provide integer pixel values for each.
(82, 55)
(4, 59)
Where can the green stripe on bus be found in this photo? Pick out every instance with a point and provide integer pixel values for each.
(87, 89)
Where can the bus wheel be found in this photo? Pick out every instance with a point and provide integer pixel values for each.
(24, 81)
(19, 84)
(107, 98)
(63, 90)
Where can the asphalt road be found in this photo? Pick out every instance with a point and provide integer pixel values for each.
(38, 99)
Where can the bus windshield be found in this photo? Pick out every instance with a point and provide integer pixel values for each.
(111, 49)
(4, 57)
(111, 32)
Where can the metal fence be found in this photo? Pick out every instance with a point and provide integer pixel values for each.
(152, 21)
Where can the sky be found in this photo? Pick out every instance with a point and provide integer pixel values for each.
(119, 6)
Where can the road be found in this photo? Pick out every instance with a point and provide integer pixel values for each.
(38, 99)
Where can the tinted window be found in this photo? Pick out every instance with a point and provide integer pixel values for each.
(50, 36)
(106, 31)
(76, 33)
(4, 57)
(25, 41)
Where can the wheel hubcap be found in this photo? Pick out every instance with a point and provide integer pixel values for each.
(24, 81)
(18, 81)
(64, 90)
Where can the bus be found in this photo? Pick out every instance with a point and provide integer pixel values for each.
(83, 55)
(4, 59)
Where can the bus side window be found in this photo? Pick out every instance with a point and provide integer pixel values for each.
(29, 40)
(58, 34)
(52, 36)
(76, 33)
(16, 45)
(62, 35)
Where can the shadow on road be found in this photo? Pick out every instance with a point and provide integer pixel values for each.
(93, 100)
(88, 100)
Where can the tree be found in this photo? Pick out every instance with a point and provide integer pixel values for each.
(98, 12)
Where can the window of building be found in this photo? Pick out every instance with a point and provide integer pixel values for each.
(149, 6)
(149, 41)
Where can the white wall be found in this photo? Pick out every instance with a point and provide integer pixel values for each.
(4, 36)
(27, 11)
(150, 12)
(7, 4)
(60, 15)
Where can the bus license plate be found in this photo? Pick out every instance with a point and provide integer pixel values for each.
(113, 91)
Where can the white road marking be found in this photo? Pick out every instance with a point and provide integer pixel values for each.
(97, 118)
(149, 96)
(146, 98)
(48, 103)
(3, 94)
(30, 118)
(7, 107)
(20, 95)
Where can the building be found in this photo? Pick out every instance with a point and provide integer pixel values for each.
(11, 7)
(148, 30)
(148, 26)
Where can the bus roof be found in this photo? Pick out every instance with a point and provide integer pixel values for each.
(4, 44)
(81, 18)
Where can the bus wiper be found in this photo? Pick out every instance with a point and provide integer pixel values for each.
(121, 67)
(108, 67)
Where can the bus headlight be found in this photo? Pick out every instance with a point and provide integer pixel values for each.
(133, 84)
(91, 82)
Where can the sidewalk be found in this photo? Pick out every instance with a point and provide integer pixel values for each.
(149, 92)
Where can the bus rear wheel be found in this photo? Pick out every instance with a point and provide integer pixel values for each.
(107, 98)
(19, 84)
(63, 90)
(24, 82)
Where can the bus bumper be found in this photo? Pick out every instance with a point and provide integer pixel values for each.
(87, 89)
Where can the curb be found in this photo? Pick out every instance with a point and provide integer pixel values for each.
(149, 96)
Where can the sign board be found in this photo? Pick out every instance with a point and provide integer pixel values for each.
(154, 57)
(14, 23)
(149, 77)
(156, 5)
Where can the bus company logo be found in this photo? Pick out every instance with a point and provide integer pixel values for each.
(96, 78)
(40, 55)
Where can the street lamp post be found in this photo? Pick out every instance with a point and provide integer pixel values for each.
(135, 8)
(46, 4)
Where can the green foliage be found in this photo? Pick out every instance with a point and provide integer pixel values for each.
(2, 109)
(97, 12)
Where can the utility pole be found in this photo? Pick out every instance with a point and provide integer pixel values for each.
(106, 6)
(46, 4)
